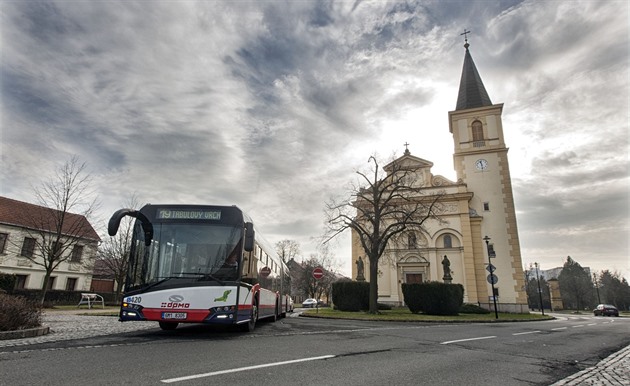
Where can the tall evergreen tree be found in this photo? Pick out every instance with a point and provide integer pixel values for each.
(614, 289)
(576, 286)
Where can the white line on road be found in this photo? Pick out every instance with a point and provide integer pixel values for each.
(592, 324)
(469, 339)
(528, 332)
(189, 377)
(558, 328)
(578, 325)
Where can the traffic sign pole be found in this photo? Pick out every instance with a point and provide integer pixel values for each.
(492, 278)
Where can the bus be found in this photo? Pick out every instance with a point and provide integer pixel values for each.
(200, 264)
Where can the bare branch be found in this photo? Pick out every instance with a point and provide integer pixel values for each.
(381, 207)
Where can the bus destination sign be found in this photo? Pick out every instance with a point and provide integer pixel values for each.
(179, 214)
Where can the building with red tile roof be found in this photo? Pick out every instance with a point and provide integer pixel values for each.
(25, 228)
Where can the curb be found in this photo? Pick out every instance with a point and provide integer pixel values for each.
(26, 333)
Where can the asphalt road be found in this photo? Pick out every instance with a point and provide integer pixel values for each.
(325, 352)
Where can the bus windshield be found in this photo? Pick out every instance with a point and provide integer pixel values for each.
(186, 251)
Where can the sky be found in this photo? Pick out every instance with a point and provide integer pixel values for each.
(274, 105)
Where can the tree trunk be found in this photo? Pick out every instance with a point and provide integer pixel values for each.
(373, 286)
(45, 287)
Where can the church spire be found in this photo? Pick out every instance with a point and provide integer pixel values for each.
(472, 92)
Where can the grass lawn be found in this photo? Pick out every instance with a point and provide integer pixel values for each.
(402, 314)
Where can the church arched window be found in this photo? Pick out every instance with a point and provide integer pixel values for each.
(448, 241)
(477, 131)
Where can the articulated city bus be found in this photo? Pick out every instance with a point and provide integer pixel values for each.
(200, 264)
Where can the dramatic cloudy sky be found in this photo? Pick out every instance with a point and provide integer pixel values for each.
(273, 105)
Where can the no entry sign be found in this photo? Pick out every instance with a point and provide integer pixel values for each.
(318, 273)
(265, 271)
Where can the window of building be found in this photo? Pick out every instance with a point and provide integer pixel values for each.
(448, 241)
(28, 247)
(20, 281)
(3, 241)
(77, 252)
(486, 206)
(51, 283)
(71, 284)
(477, 131)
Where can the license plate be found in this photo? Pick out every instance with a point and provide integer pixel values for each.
(174, 315)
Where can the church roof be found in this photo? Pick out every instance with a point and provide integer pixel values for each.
(408, 161)
(472, 92)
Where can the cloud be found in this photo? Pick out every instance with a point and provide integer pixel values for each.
(273, 105)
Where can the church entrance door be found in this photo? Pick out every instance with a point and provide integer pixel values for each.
(413, 278)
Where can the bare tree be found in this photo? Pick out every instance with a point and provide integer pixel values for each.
(317, 288)
(113, 254)
(379, 209)
(62, 224)
(287, 249)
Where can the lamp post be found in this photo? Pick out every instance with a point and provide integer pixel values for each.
(542, 307)
(491, 277)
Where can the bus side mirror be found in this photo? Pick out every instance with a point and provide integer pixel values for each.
(249, 237)
(114, 223)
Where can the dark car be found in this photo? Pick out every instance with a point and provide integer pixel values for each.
(606, 310)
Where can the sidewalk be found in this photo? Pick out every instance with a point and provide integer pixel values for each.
(612, 371)
(71, 324)
(78, 323)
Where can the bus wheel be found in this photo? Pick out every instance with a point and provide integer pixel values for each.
(249, 326)
(168, 326)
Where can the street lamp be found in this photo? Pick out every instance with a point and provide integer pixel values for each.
(542, 307)
(491, 277)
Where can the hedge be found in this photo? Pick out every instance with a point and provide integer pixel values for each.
(433, 298)
(351, 295)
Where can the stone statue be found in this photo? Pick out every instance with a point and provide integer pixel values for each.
(446, 265)
(360, 270)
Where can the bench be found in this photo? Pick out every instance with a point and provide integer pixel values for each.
(90, 300)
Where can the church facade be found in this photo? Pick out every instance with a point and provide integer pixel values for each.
(477, 231)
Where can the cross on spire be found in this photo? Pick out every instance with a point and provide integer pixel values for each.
(407, 148)
(466, 32)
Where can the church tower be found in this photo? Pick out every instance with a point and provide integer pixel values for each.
(481, 162)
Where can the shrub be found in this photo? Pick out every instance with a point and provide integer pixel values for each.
(433, 298)
(472, 309)
(351, 295)
(18, 313)
(7, 282)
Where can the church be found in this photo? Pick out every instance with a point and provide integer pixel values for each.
(475, 242)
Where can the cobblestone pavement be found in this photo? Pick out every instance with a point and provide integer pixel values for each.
(612, 371)
(76, 325)
(66, 325)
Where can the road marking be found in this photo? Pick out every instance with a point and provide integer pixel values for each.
(469, 339)
(592, 324)
(579, 325)
(525, 333)
(558, 328)
(189, 377)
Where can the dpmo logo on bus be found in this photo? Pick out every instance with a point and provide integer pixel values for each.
(175, 301)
